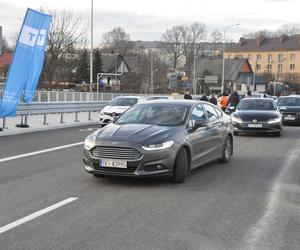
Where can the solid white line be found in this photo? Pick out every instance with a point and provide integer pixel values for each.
(36, 214)
(40, 152)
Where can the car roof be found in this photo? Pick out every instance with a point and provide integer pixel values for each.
(175, 102)
(129, 96)
(297, 96)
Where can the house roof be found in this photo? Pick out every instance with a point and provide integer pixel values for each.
(233, 67)
(112, 61)
(281, 43)
(5, 59)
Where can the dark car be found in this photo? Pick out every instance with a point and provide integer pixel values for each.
(160, 138)
(257, 115)
(289, 107)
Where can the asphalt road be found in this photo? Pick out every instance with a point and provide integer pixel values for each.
(251, 203)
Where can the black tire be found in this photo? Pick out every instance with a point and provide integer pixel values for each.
(180, 166)
(98, 175)
(227, 150)
(235, 133)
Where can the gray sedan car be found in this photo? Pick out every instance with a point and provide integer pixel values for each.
(160, 138)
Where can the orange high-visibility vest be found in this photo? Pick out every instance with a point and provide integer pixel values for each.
(223, 102)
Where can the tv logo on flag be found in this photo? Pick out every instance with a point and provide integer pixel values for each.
(30, 35)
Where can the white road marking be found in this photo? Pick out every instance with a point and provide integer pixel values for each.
(40, 152)
(264, 224)
(36, 214)
(88, 129)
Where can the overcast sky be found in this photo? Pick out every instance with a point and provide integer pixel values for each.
(147, 20)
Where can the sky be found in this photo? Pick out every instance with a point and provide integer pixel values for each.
(147, 20)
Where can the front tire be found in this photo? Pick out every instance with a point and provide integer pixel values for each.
(227, 150)
(180, 166)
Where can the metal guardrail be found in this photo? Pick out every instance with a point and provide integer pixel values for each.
(44, 108)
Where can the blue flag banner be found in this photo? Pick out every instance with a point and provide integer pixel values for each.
(27, 62)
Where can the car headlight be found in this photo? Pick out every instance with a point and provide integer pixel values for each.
(236, 119)
(275, 120)
(90, 141)
(159, 146)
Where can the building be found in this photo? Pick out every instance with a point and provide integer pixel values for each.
(5, 60)
(238, 75)
(275, 59)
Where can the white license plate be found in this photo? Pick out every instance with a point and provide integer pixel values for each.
(254, 125)
(113, 163)
(290, 118)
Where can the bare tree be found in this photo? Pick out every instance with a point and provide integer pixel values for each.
(66, 32)
(289, 29)
(216, 37)
(192, 36)
(172, 44)
(114, 40)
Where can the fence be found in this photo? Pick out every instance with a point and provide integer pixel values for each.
(45, 108)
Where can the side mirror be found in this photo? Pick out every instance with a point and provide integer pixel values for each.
(200, 123)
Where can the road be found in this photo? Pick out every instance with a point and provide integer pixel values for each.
(253, 202)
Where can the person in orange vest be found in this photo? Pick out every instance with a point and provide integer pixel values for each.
(223, 102)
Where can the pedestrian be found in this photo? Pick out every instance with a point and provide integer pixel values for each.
(213, 99)
(249, 95)
(204, 98)
(187, 95)
(234, 100)
(223, 101)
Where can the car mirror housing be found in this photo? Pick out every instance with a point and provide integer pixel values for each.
(200, 123)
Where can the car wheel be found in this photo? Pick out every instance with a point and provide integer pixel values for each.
(235, 133)
(181, 166)
(227, 150)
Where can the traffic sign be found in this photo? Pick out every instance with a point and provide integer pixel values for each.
(211, 79)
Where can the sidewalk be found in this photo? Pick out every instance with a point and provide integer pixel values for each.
(35, 122)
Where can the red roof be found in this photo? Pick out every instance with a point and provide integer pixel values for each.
(5, 59)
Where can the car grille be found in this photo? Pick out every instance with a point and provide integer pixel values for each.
(116, 153)
(129, 169)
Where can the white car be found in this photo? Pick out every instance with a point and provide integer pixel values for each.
(118, 106)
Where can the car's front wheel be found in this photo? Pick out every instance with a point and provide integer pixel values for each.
(227, 150)
(181, 166)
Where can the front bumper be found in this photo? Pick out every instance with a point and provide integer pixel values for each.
(151, 164)
(290, 117)
(265, 127)
(105, 119)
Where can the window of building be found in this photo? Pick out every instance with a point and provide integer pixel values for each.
(292, 77)
(238, 87)
(293, 57)
(269, 67)
(280, 67)
(258, 57)
(292, 66)
(280, 57)
(258, 66)
(249, 57)
(269, 58)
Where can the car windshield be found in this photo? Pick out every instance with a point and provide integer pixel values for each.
(165, 115)
(256, 104)
(157, 97)
(288, 101)
(123, 102)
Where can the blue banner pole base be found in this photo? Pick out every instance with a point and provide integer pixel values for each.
(22, 125)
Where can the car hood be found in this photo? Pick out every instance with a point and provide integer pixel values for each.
(289, 108)
(256, 115)
(115, 109)
(137, 133)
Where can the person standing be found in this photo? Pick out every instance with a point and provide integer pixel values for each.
(187, 95)
(234, 100)
(213, 99)
(223, 102)
(249, 95)
(204, 98)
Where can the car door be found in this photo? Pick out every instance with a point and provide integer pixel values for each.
(199, 138)
(216, 128)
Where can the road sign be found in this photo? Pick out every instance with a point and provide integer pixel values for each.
(211, 79)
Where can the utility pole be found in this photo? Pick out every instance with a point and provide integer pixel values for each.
(194, 75)
(92, 37)
(1, 43)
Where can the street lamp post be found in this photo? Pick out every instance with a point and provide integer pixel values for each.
(194, 76)
(223, 65)
(91, 54)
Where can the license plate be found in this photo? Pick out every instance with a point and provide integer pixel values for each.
(113, 163)
(290, 118)
(254, 125)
